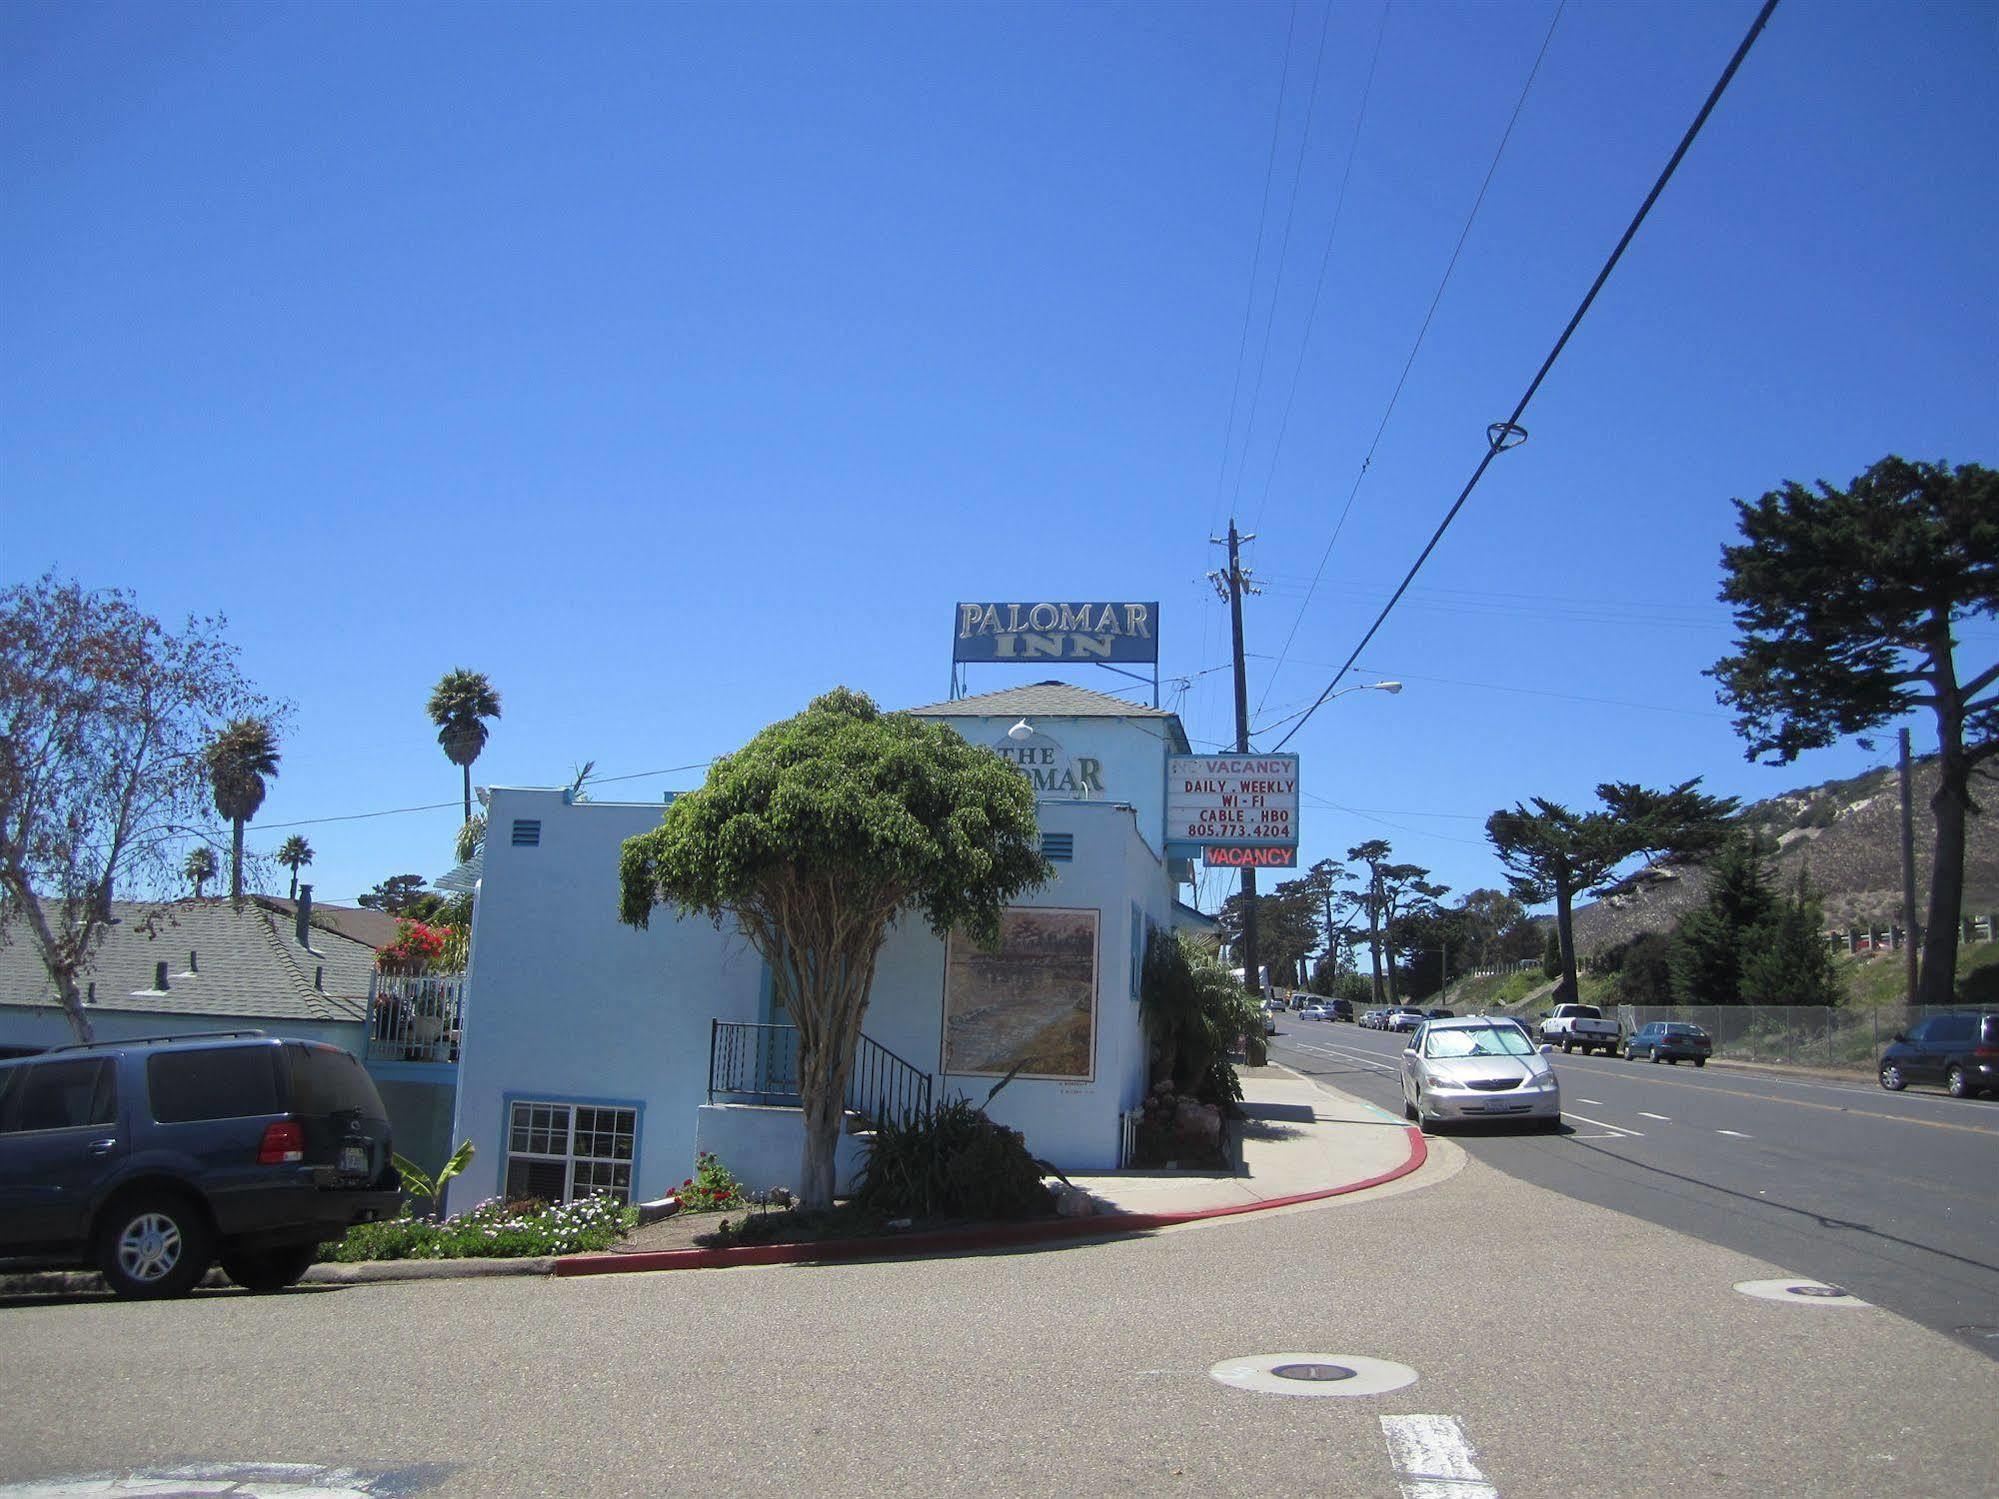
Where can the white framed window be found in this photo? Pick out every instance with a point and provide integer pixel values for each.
(562, 1151)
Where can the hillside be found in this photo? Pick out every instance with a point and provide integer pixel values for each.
(1845, 836)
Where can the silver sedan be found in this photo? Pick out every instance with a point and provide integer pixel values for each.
(1478, 1068)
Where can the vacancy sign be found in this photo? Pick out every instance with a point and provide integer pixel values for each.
(1242, 808)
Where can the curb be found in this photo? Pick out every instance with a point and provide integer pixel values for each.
(361, 1272)
(955, 1241)
(1861, 1075)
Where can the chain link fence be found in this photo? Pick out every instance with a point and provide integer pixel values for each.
(1851, 1038)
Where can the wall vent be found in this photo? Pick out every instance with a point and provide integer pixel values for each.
(527, 832)
(1058, 848)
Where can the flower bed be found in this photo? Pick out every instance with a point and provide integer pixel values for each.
(492, 1230)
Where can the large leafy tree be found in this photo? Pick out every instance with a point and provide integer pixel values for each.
(1554, 853)
(399, 895)
(1849, 603)
(459, 705)
(814, 838)
(239, 761)
(1287, 927)
(104, 717)
(1387, 892)
(294, 853)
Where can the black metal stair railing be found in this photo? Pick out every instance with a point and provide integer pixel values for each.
(759, 1063)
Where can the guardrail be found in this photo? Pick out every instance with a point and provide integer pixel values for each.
(416, 1019)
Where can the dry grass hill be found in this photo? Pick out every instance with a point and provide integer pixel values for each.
(1845, 836)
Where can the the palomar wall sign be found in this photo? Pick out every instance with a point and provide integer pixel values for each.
(1032, 1004)
(1048, 631)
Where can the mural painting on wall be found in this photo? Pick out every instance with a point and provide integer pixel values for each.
(1032, 1003)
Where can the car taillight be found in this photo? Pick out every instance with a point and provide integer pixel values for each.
(284, 1143)
(1986, 1053)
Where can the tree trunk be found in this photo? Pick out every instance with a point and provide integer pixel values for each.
(1374, 948)
(60, 972)
(236, 861)
(467, 768)
(1565, 933)
(294, 882)
(1937, 983)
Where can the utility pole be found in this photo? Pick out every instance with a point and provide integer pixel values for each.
(1908, 877)
(1232, 586)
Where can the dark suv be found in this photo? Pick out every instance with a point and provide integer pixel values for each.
(151, 1159)
(1959, 1050)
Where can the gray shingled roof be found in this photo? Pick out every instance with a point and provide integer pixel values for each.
(377, 929)
(244, 964)
(1048, 700)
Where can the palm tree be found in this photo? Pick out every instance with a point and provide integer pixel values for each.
(459, 705)
(200, 867)
(294, 851)
(242, 755)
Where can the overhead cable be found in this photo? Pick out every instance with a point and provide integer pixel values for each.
(1501, 436)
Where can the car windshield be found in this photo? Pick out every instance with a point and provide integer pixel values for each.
(1477, 1041)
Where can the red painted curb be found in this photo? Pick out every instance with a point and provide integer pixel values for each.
(947, 1241)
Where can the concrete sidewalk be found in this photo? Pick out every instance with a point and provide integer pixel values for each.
(1298, 1139)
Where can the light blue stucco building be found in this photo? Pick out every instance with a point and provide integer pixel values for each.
(599, 1057)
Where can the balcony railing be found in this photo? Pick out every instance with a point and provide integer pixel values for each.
(759, 1064)
(416, 1019)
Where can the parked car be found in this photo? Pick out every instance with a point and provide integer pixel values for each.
(1402, 1018)
(1315, 1012)
(1270, 1022)
(1440, 1014)
(1959, 1050)
(1340, 1009)
(1670, 1041)
(1371, 1020)
(1573, 1026)
(1478, 1068)
(151, 1159)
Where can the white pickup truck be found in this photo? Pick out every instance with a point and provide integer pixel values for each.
(1580, 1026)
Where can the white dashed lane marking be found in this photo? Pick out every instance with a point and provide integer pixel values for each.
(1434, 1459)
(1734, 1134)
(1663, 1118)
(1616, 1129)
(1596, 1102)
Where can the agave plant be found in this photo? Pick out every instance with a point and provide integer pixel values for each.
(243, 754)
(459, 705)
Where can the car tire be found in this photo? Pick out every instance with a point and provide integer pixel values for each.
(269, 1269)
(1892, 1078)
(1700, 1061)
(153, 1244)
(1409, 1110)
(1567, 1047)
(1956, 1084)
(1653, 1056)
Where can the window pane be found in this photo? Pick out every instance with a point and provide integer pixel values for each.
(542, 1179)
(228, 1082)
(61, 1095)
(326, 1080)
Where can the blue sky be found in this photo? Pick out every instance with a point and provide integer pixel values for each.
(672, 364)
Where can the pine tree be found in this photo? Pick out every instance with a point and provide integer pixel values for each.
(1787, 961)
(1712, 942)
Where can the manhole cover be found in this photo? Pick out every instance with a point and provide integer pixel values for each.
(1800, 1292)
(1313, 1371)
(1313, 1374)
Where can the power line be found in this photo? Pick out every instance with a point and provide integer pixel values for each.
(1421, 333)
(1318, 286)
(1284, 256)
(308, 822)
(1255, 264)
(1508, 434)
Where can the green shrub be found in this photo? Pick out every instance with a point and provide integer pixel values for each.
(711, 1188)
(954, 1162)
(492, 1230)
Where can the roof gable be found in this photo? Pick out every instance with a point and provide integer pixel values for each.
(1050, 700)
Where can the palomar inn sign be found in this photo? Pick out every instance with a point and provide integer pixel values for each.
(1056, 632)
(1241, 809)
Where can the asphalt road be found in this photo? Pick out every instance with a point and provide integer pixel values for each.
(1893, 1196)
(1082, 1370)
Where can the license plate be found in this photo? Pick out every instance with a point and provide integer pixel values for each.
(353, 1160)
